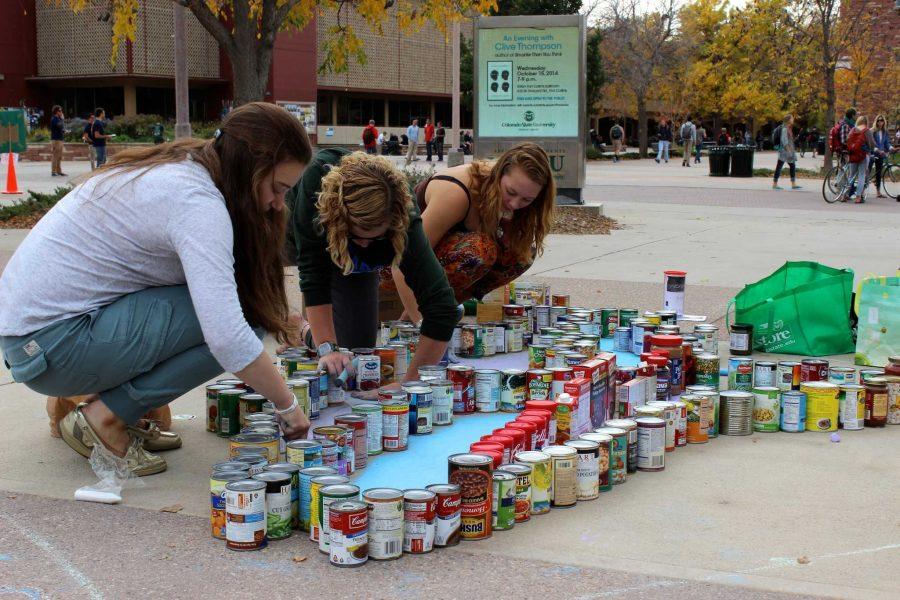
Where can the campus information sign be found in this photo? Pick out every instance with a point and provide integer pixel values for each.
(529, 85)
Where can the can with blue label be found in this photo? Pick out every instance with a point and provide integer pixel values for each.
(793, 411)
(421, 413)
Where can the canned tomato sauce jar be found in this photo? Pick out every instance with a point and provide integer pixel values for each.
(473, 473)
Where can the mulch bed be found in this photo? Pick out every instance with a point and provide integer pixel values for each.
(22, 221)
(572, 220)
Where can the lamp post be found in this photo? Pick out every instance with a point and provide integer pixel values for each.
(182, 113)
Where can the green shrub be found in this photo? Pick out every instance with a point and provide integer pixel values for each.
(39, 134)
(134, 128)
(35, 202)
(593, 154)
(415, 175)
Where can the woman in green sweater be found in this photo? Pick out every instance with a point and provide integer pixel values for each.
(353, 214)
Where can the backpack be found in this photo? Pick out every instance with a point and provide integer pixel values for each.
(856, 145)
(776, 137)
(368, 136)
(834, 138)
(617, 133)
(686, 133)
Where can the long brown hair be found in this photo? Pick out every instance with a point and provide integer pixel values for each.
(251, 141)
(530, 225)
(365, 191)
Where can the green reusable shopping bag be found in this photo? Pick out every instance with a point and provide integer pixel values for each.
(802, 308)
(878, 329)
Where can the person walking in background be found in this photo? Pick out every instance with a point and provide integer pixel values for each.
(57, 135)
(688, 138)
(370, 138)
(88, 138)
(439, 134)
(723, 139)
(664, 135)
(379, 143)
(99, 137)
(701, 137)
(787, 153)
(882, 147)
(412, 137)
(759, 141)
(748, 137)
(429, 138)
(617, 135)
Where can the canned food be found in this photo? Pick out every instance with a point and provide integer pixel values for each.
(842, 375)
(618, 458)
(766, 409)
(537, 356)
(513, 310)
(609, 322)
(787, 376)
(707, 370)
(522, 473)
(432, 372)
(588, 468)
(217, 482)
(419, 520)
(876, 393)
(463, 379)
(741, 339)
(651, 443)
(448, 513)
(622, 339)
(736, 412)
(822, 405)
(368, 369)
(471, 341)
(564, 476)
(344, 461)
(442, 401)
(357, 424)
(315, 501)
(503, 501)
(473, 474)
(538, 383)
(328, 495)
(269, 441)
(349, 529)
(374, 421)
(487, 390)
(293, 471)
(385, 522)
(245, 515)
(813, 369)
(401, 359)
(279, 506)
(229, 412)
(708, 335)
(306, 476)
(604, 443)
(541, 479)
(793, 411)
(670, 416)
(420, 410)
(698, 407)
(512, 390)
(764, 373)
(740, 374)
(387, 358)
(395, 424)
(212, 407)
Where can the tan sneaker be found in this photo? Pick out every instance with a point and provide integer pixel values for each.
(141, 462)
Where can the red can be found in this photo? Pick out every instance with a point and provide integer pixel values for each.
(463, 379)
(513, 310)
(530, 430)
(496, 457)
(349, 524)
(550, 418)
(419, 515)
(506, 441)
(625, 374)
(518, 436)
(813, 369)
(360, 436)
(540, 422)
(537, 384)
(448, 513)
(473, 473)
(495, 447)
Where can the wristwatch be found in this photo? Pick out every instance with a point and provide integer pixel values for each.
(326, 348)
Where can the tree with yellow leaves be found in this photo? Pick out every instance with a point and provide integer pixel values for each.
(246, 29)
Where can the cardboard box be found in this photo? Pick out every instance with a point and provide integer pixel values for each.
(578, 421)
(595, 371)
(610, 358)
(629, 395)
(488, 312)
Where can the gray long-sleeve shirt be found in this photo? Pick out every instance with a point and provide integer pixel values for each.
(119, 234)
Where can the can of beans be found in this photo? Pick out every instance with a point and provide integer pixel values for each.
(487, 390)
(813, 369)
(348, 522)
(503, 501)
(278, 504)
(306, 476)
(385, 522)
(229, 412)
(766, 409)
(787, 375)
(419, 519)
(328, 495)
(212, 406)
(448, 514)
(473, 474)
(522, 473)
(374, 421)
(217, 482)
(538, 384)
(245, 515)
(420, 410)
(740, 374)
(358, 424)
(463, 379)
(395, 423)
(651, 444)
(541, 479)
(587, 469)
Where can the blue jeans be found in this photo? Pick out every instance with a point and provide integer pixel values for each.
(663, 150)
(100, 152)
(140, 352)
(858, 171)
(698, 152)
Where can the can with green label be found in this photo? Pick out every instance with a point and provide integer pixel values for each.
(278, 504)
(609, 321)
(766, 408)
(503, 507)
(229, 412)
(626, 315)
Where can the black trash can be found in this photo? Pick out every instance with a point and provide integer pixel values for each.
(719, 161)
(820, 145)
(742, 161)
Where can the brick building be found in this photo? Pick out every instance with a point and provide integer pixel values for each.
(885, 44)
(48, 55)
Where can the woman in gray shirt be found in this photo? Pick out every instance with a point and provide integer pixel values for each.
(149, 278)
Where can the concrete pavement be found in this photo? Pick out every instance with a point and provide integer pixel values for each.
(766, 516)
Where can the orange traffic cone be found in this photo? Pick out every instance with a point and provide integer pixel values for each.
(12, 185)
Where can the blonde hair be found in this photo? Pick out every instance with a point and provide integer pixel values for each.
(883, 120)
(530, 225)
(862, 120)
(787, 118)
(364, 191)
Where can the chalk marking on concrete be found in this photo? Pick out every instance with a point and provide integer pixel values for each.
(33, 593)
(57, 556)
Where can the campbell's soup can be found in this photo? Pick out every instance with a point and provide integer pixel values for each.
(385, 507)
(419, 516)
(473, 473)
(463, 379)
(348, 522)
(813, 369)
(449, 514)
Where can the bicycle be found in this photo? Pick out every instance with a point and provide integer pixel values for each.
(840, 185)
(890, 178)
